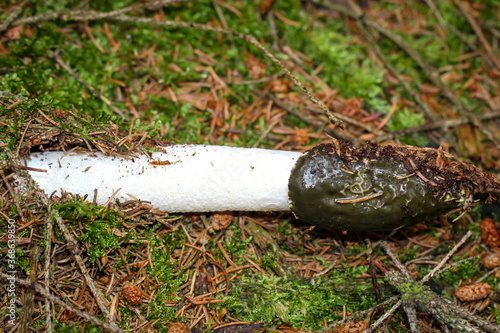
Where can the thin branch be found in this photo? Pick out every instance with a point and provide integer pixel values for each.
(250, 39)
(12, 16)
(87, 15)
(395, 259)
(306, 118)
(71, 241)
(417, 294)
(74, 249)
(436, 125)
(58, 301)
(433, 75)
(446, 258)
(357, 14)
(94, 91)
(468, 316)
(446, 25)
(48, 242)
(117, 15)
(411, 314)
(355, 316)
(455, 264)
(384, 317)
(14, 196)
(409, 89)
(490, 55)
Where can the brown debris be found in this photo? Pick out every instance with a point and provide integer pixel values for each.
(491, 261)
(356, 326)
(279, 85)
(439, 171)
(178, 327)
(266, 5)
(473, 292)
(131, 293)
(489, 234)
(221, 220)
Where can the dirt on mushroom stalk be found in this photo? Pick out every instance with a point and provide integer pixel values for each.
(264, 269)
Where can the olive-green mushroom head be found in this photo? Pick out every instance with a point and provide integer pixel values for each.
(362, 195)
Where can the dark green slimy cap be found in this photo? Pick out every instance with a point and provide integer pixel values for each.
(363, 194)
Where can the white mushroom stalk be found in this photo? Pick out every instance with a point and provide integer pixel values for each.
(336, 185)
(177, 178)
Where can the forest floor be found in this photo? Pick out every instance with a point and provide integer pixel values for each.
(116, 76)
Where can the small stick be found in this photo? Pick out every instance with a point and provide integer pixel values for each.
(27, 168)
(86, 15)
(491, 56)
(22, 136)
(436, 125)
(374, 279)
(455, 264)
(48, 240)
(12, 16)
(249, 38)
(354, 316)
(58, 301)
(383, 318)
(64, 65)
(398, 263)
(13, 194)
(368, 197)
(445, 259)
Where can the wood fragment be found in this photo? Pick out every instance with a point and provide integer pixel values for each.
(365, 198)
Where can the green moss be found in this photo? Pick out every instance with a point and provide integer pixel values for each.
(468, 270)
(99, 223)
(495, 310)
(234, 245)
(405, 118)
(165, 271)
(74, 327)
(409, 253)
(300, 303)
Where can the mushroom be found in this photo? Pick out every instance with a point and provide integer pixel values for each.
(333, 185)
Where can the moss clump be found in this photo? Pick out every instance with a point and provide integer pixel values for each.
(302, 303)
(99, 223)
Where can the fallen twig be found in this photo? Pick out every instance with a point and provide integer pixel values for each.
(94, 91)
(490, 55)
(58, 301)
(414, 294)
(71, 241)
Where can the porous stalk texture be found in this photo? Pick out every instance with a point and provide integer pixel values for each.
(180, 178)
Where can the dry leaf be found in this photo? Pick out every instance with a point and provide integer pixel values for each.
(279, 85)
